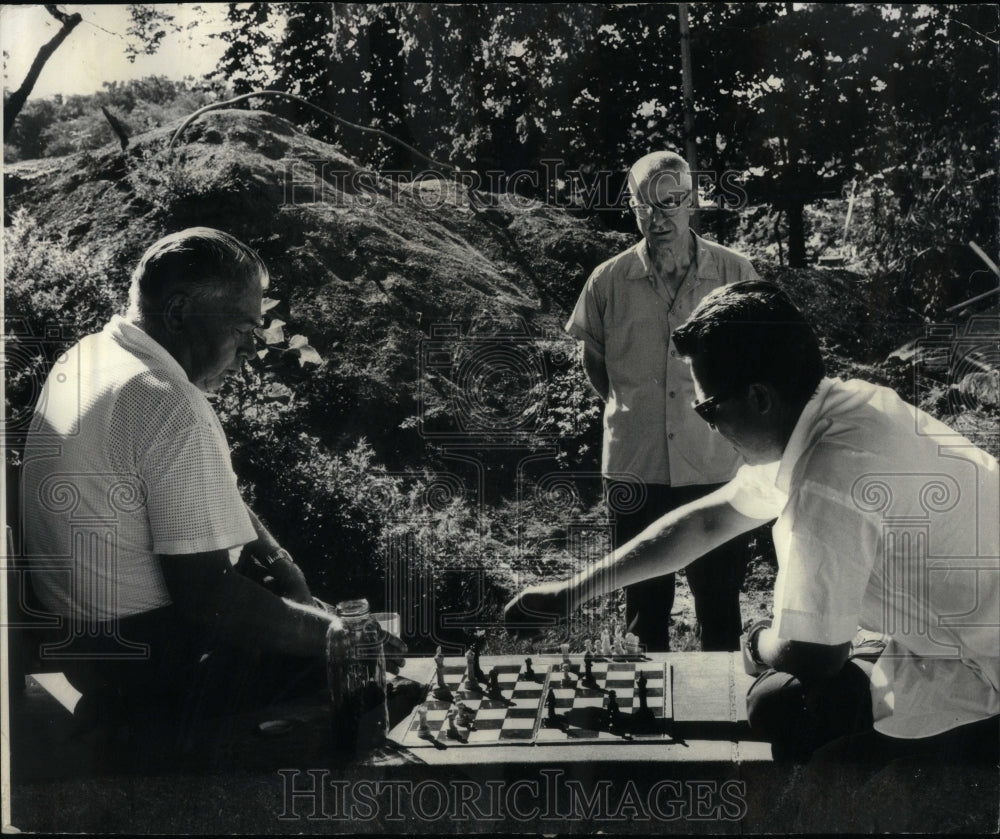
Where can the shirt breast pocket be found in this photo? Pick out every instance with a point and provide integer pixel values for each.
(637, 352)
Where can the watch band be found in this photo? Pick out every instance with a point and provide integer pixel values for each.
(753, 636)
(275, 556)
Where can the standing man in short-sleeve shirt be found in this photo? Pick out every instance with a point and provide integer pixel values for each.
(133, 522)
(657, 454)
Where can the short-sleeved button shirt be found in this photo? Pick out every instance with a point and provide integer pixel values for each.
(125, 460)
(888, 520)
(626, 315)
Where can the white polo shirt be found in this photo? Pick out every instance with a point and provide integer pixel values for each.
(889, 520)
(125, 460)
(626, 315)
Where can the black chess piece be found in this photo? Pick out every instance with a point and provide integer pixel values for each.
(477, 643)
(644, 719)
(528, 672)
(613, 711)
(550, 702)
(588, 668)
(494, 680)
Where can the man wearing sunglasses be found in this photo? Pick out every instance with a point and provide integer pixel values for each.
(884, 519)
(657, 454)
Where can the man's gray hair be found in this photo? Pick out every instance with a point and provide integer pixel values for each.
(207, 264)
(653, 164)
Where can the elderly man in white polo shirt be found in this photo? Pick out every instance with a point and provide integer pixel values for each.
(886, 520)
(132, 517)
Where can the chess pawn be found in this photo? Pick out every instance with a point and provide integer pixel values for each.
(528, 672)
(452, 728)
(470, 674)
(567, 677)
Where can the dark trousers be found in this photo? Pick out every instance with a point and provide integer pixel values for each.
(187, 676)
(715, 579)
(830, 721)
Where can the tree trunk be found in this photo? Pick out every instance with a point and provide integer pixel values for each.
(796, 229)
(12, 107)
(687, 86)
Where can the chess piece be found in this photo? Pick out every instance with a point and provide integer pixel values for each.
(494, 683)
(612, 717)
(424, 729)
(452, 729)
(470, 670)
(528, 672)
(588, 667)
(567, 677)
(643, 716)
(605, 642)
(464, 717)
(564, 648)
(550, 703)
(478, 640)
(632, 643)
(588, 647)
(619, 648)
(441, 691)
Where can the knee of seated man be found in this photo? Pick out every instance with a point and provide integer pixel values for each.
(771, 699)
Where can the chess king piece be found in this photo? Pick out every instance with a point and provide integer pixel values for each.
(471, 683)
(441, 691)
(424, 729)
(644, 718)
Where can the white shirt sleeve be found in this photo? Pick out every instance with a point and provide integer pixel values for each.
(829, 548)
(193, 502)
(753, 493)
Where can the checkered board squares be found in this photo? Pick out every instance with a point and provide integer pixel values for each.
(581, 706)
(519, 715)
(511, 718)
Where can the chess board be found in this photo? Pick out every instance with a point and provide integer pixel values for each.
(519, 715)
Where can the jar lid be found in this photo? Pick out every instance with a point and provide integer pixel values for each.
(353, 608)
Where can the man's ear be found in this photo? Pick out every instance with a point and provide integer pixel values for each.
(176, 312)
(762, 397)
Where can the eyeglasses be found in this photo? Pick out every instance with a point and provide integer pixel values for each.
(669, 207)
(708, 408)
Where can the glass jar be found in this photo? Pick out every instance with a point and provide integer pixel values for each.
(356, 675)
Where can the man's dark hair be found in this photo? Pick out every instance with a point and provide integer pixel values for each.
(206, 263)
(752, 332)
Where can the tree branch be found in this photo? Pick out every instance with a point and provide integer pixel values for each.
(12, 107)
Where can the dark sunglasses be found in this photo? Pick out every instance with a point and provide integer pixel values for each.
(708, 408)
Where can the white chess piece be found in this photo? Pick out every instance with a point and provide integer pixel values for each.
(588, 646)
(422, 714)
(605, 642)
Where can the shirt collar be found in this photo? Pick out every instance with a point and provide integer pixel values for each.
(802, 435)
(705, 267)
(133, 339)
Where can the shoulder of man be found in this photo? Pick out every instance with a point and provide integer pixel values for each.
(620, 265)
(724, 255)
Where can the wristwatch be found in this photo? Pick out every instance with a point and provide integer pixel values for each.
(274, 556)
(753, 636)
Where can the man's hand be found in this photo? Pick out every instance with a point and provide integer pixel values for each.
(537, 607)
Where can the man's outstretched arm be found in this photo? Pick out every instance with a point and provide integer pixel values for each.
(667, 545)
